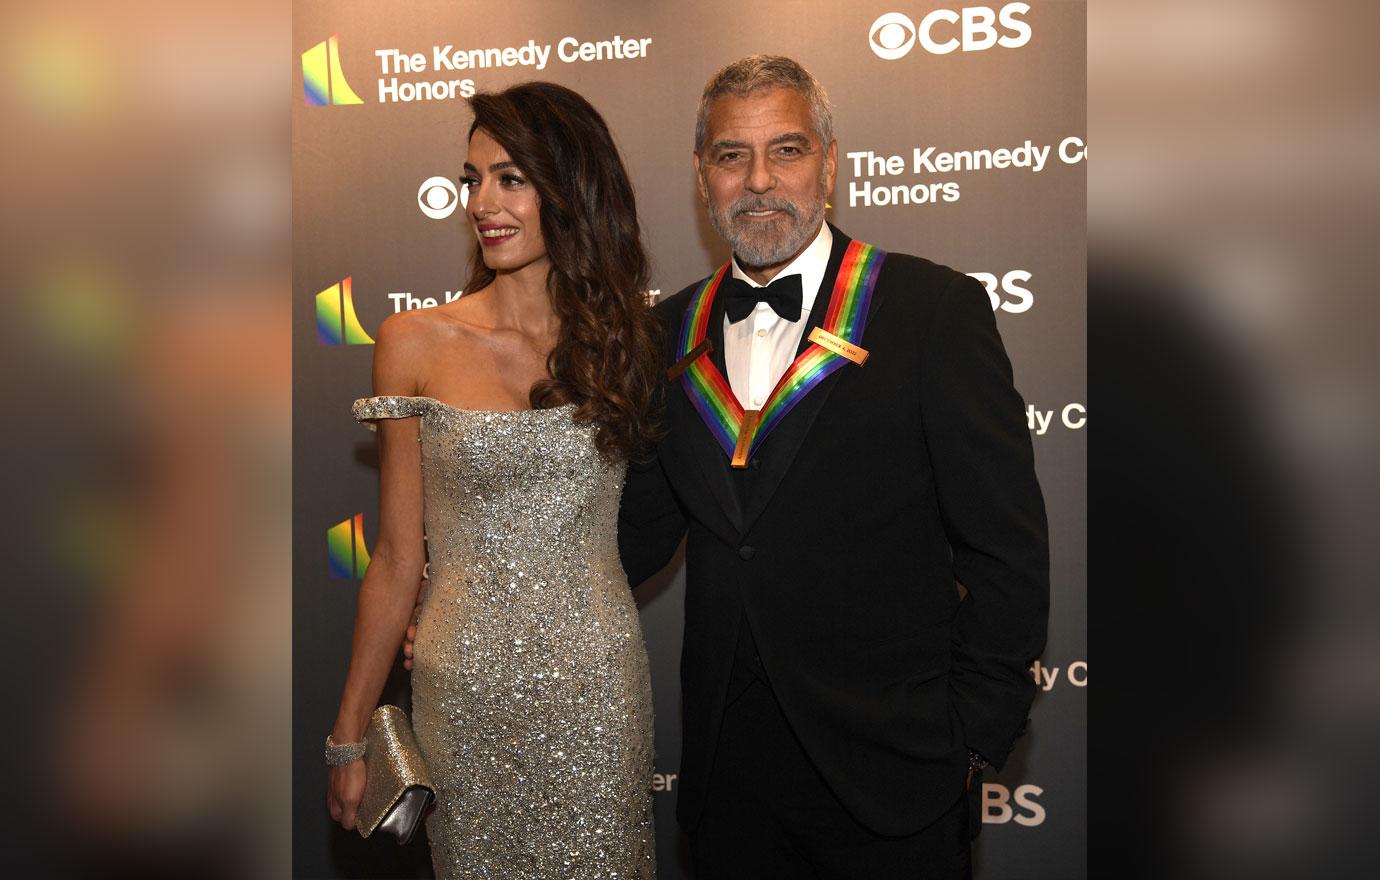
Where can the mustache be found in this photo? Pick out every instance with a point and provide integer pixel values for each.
(758, 203)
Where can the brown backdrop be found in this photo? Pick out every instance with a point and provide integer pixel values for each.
(965, 146)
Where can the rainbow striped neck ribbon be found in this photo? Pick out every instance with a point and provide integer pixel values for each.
(741, 432)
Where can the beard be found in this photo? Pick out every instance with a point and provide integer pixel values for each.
(757, 243)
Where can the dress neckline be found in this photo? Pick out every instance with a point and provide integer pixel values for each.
(483, 412)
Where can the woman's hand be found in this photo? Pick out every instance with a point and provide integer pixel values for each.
(344, 791)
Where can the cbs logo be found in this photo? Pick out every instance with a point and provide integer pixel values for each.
(438, 197)
(997, 806)
(1007, 293)
(893, 35)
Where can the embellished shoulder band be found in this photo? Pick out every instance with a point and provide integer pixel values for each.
(389, 407)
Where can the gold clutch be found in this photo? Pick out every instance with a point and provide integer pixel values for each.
(398, 787)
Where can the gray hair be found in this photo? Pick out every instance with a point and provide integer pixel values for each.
(756, 72)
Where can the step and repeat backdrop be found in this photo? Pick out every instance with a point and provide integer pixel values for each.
(962, 139)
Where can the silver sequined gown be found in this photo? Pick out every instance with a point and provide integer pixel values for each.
(531, 697)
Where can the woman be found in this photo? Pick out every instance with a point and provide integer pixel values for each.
(531, 695)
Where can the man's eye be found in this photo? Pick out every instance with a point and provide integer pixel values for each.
(730, 156)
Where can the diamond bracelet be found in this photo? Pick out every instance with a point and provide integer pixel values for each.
(339, 754)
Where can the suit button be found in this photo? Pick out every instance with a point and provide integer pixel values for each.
(746, 551)
(755, 463)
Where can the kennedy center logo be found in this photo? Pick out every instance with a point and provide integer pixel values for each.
(336, 321)
(349, 558)
(323, 82)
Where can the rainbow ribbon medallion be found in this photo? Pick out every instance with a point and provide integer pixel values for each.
(709, 391)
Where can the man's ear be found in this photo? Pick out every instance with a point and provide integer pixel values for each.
(831, 162)
(699, 181)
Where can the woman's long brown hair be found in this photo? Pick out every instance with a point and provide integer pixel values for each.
(606, 357)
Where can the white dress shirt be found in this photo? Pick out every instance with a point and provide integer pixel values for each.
(759, 348)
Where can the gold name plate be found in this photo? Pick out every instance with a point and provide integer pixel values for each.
(684, 363)
(740, 453)
(824, 339)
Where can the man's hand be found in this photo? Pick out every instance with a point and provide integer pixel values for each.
(411, 636)
(407, 646)
(976, 763)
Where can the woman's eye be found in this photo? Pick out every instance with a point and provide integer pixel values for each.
(513, 180)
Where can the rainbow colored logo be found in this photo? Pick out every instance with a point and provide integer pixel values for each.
(336, 321)
(349, 558)
(323, 82)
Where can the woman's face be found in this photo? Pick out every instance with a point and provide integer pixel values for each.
(503, 206)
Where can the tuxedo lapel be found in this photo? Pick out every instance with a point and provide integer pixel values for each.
(826, 289)
(715, 334)
(700, 443)
(779, 449)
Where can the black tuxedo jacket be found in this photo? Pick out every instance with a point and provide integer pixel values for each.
(840, 547)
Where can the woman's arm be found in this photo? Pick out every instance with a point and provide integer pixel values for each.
(389, 590)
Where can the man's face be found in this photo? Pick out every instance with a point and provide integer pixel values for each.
(764, 176)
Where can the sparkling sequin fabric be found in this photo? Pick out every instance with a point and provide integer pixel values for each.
(531, 695)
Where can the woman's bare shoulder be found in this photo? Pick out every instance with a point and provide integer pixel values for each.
(400, 338)
(414, 331)
(463, 316)
(404, 346)
(412, 344)
(467, 314)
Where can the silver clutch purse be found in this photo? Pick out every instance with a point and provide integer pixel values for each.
(398, 788)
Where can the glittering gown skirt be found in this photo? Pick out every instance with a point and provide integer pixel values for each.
(531, 697)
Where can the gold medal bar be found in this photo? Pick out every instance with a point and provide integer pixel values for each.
(824, 339)
(740, 452)
(684, 363)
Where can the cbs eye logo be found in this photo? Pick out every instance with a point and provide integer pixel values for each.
(971, 29)
(438, 197)
(892, 35)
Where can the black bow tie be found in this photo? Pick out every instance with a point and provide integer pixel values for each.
(783, 295)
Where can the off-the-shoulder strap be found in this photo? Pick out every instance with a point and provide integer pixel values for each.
(370, 408)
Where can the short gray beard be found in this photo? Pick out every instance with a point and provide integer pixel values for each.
(774, 242)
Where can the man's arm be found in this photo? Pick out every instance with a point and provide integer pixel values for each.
(993, 514)
(650, 522)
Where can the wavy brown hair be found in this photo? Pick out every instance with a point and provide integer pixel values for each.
(606, 356)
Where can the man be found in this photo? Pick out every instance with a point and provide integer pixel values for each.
(843, 443)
